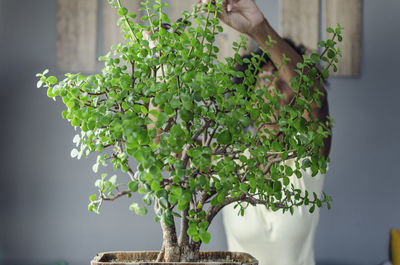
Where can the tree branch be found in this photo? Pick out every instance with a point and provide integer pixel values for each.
(185, 156)
(131, 173)
(183, 236)
(211, 136)
(200, 131)
(276, 160)
(133, 80)
(116, 196)
(213, 210)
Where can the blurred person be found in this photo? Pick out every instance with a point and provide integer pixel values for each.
(274, 238)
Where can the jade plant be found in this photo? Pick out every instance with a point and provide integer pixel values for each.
(164, 100)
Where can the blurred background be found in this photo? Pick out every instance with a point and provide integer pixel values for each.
(44, 192)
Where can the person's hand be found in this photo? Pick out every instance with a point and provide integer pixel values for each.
(242, 15)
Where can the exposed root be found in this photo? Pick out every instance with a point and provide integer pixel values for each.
(160, 256)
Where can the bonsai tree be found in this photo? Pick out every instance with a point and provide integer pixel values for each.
(164, 100)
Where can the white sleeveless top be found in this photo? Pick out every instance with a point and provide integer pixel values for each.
(275, 238)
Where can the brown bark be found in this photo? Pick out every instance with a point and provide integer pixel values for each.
(183, 236)
(170, 243)
(190, 252)
(174, 250)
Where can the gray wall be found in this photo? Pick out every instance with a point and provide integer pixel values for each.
(44, 193)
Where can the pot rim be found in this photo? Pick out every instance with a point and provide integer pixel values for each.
(247, 258)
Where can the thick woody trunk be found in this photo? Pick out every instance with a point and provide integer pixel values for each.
(176, 253)
(170, 249)
(190, 252)
(174, 250)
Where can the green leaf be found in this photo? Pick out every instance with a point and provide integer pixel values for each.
(244, 187)
(277, 186)
(204, 236)
(76, 122)
(331, 54)
(95, 167)
(139, 156)
(92, 207)
(186, 115)
(314, 58)
(142, 211)
(289, 171)
(133, 186)
(74, 153)
(224, 138)
(286, 181)
(131, 15)
(113, 179)
(162, 118)
(39, 83)
(245, 121)
(148, 199)
(162, 193)
(186, 196)
(168, 218)
(182, 206)
(137, 209)
(325, 73)
(91, 124)
(163, 202)
(52, 80)
(173, 199)
(76, 139)
(122, 11)
(155, 185)
(214, 201)
(201, 216)
(276, 146)
(154, 112)
(221, 197)
(92, 197)
(192, 231)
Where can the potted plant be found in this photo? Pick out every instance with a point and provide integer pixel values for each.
(164, 100)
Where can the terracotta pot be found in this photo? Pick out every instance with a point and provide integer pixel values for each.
(149, 257)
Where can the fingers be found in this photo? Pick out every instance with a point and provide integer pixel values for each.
(146, 36)
(227, 6)
(203, 3)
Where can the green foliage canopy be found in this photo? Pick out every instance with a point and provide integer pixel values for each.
(165, 100)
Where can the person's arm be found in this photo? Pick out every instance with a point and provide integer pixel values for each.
(260, 35)
(245, 17)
